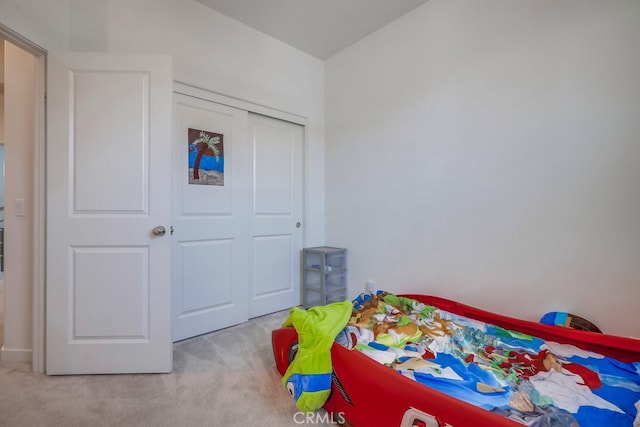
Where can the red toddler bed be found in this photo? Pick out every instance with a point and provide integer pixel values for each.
(417, 360)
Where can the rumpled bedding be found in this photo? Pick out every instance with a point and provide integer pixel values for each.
(524, 378)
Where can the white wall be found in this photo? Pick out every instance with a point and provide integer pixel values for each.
(488, 152)
(209, 51)
(19, 152)
(46, 23)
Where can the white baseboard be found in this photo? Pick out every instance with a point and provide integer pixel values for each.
(15, 355)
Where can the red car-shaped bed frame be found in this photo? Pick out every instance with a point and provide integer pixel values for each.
(366, 393)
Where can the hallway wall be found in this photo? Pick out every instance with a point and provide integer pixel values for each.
(19, 155)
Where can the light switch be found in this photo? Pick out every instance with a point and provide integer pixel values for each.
(18, 207)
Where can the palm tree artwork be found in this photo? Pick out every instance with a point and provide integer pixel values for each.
(206, 157)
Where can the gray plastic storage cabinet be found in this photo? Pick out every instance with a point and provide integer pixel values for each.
(324, 275)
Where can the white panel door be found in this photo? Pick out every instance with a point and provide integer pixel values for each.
(276, 217)
(211, 211)
(108, 186)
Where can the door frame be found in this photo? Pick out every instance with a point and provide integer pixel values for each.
(219, 98)
(39, 194)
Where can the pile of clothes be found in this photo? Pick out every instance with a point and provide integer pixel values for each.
(527, 379)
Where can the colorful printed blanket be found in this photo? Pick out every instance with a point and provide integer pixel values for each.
(527, 379)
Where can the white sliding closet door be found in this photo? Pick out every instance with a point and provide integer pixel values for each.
(211, 212)
(237, 225)
(276, 214)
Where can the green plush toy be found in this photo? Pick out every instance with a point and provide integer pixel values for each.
(308, 377)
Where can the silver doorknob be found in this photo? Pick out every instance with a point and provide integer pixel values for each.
(158, 231)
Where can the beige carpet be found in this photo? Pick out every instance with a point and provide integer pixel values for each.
(226, 378)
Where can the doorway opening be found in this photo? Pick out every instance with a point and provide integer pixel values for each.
(22, 281)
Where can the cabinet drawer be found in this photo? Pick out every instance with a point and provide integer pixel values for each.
(336, 261)
(313, 298)
(335, 282)
(314, 279)
(335, 297)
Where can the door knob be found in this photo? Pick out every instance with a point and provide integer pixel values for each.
(158, 231)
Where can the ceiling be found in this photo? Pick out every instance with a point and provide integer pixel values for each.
(319, 27)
